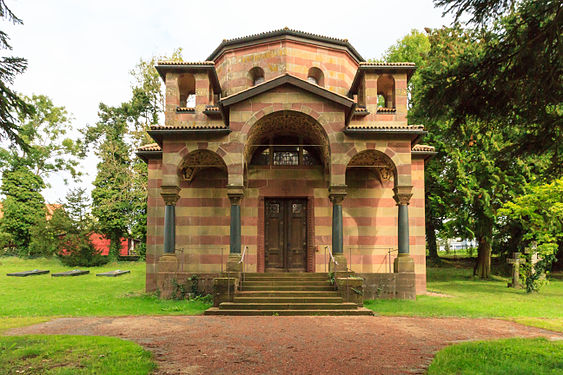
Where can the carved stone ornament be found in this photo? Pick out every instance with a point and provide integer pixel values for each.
(170, 194)
(235, 194)
(375, 159)
(197, 160)
(402, 195)
(337, 194)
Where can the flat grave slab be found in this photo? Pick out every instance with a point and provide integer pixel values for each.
(28, 273)
(113, 273)
(70, 273)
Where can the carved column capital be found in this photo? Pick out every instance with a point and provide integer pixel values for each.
(337, 193)
(235, 194)
(402, 195)
(170, 194)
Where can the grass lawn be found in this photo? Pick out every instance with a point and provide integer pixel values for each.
(500, 357)
(72, 355)
(87, 295)
(469, 297)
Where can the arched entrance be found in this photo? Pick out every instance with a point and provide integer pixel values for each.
(287, 157)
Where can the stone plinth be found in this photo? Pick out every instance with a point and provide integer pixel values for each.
(351, 289)
(403, 263)
(224, 289)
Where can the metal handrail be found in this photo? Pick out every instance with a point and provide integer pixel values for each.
(243, 265)
(243, 254)
(388, 249)
(331, 256)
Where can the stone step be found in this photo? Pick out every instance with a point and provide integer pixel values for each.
(286, 274)
(273, 288)
(293, 299)
(286, 283)
(278, 278)
(353, 312)
(287, 306)
(287, 293)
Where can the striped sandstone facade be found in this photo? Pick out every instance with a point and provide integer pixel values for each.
(204, 153)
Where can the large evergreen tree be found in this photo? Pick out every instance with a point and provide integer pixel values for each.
(11, 104)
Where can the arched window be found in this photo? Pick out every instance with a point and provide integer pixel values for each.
(256, 75)
(286, 151)
(316, 76)
(186, 84)
(386, 91)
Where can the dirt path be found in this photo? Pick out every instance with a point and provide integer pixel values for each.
(289, 345)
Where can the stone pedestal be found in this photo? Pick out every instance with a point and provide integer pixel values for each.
(167, 263)
(233, 263)
(405, 287)
(403, 263)
(224, 289)
(342, 265)
(351, 289)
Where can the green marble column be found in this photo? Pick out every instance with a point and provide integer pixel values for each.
(170, 194)
(403, 229)
(169, 228)
(235, 194)
(337, 195)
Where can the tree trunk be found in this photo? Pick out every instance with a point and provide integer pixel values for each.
(483, 265)
(115, 246)
(431, 240)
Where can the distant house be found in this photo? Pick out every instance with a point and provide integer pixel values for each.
(102, 244)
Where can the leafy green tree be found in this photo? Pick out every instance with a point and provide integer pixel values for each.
(111, 196)
(508, 71)
(540, 213)
(48, 151)
(23, 206)
(11, 105)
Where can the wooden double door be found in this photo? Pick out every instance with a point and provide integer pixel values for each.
(285, 235)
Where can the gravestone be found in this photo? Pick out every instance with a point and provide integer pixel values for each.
(515, 261)
(28, 273)
(113, 273)
(70, 273)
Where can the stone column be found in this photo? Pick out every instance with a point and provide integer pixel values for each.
(168, 261)
(337, 195)
(235, 193)
(403, 262)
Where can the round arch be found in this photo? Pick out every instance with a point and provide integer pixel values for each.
(382, 165)
(286, 123)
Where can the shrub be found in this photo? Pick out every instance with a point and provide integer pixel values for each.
(79, 251)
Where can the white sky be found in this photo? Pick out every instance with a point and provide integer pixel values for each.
(80, 52)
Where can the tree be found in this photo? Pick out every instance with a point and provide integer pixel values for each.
(23, 206)
(11, 105)
(24, 170)
(540, 213)
(111, 196)
(509, 71)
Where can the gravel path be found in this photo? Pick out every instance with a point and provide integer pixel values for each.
(289, 345)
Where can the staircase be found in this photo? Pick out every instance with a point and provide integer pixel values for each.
(288, 293)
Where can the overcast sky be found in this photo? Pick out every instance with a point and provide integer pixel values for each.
(80, 52)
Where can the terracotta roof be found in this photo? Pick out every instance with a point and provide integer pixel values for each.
(383, 64)
(423, 148)
(149, 147)
(385, 126)
(285, 32)
(164, 62)
(196, 126)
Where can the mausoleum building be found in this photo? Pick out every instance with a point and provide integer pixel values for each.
(287, 147)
